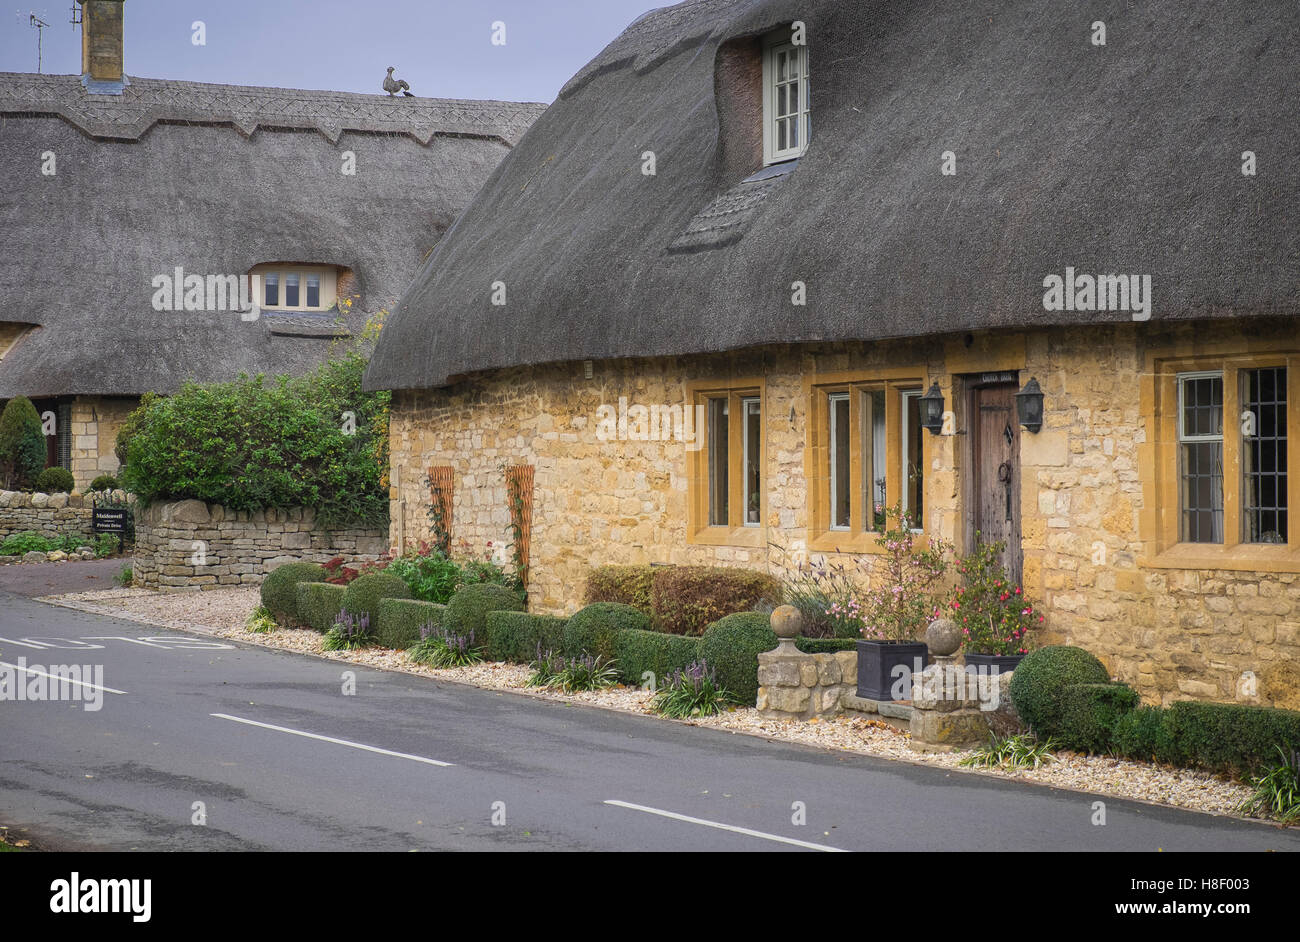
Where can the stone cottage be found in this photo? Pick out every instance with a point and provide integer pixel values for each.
(132, 211)
(767, 268)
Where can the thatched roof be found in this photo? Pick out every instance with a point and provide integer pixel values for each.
(215, 179)
(1122, 158)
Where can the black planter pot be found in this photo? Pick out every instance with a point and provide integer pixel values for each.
(1003, 663)
(886, 668)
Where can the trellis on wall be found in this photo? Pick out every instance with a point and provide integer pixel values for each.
(519, 493)
(442, 488)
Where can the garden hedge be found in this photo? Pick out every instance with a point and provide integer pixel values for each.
(1144, 734)
(319, 604)
(1038, 682)
(468, 609)
(280, 589)
(685, 600)
(400, 621)
(825, 645)
(364, 594)
(1230, 737)
(639, 652)
(731, 647)
(627, 585)
(22, 442)
(592, 630)
(1089, 713)
(515, 636)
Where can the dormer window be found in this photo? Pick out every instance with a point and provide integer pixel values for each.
(786, 120)
(297, 287)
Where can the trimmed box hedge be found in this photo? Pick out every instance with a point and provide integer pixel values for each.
(731, 646)
(638, 652)
(364, 594)
(825, 645)
(514, 636)
(280, 589)
(468, 609)
(1089, 712)
(1230, 737)
(592, 630)
(1143, 734)
(319, 603)
(1040, 679)
(400, 621)
(685, 600)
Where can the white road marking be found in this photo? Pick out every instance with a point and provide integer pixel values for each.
(339, 742)
(727, 827)
(66, 680)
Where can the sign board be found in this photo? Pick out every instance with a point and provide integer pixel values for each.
(110, 519)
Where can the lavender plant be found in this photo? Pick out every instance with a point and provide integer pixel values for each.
(350, 633)
(439, 647)
(691, 691)
(569, 674)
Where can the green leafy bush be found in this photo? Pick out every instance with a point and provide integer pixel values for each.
(640, 652)
(994, 614)
(280, 589)
(260, 622)
(687, 599)
(592, 630)
(691, 691)
(22, 443)
(54, 481)
(1014, 752)
(1146, 734)
(105, 482)
(731, 646)
(27, 542)
(515, 636)
(126, 577)
(1229, 737)
(106, 544)
(432, 576)
(627, 585)
(363, 595)
(401, 620)
(825, 645)
(255, 443)
(319, 603)
(468, 609)
(1038, 682)
(1089, 713)
(438, 647)
(1276, 791)
(572, 673)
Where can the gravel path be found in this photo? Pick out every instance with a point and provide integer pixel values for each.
(223, 612)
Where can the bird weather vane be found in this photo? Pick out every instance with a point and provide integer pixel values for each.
(393, 86)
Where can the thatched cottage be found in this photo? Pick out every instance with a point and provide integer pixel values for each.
(117, 193)
(767, 267)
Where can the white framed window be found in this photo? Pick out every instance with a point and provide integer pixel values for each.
(840, 460)
(719, 444)
(752, 411)
(297, 287)
(913, 458)
(1200, 456)
(787, 122)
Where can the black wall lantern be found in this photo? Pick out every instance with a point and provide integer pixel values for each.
(932, 410)
(1029, 406)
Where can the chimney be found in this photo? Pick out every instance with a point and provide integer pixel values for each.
(102, 71)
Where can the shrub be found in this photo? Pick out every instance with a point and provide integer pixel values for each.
(1230, 737)
(432, 576)
(363, 595)
(438, 647)
(826, 594)
(824, 645)
(515, 636)
(1146, 734)
(1040, 678)
(572, 673)
(691, 691)
(126, 577)
(468, 609)
(687, 599)
(401, 620)
(592, 630)
(627, 585)
(994, 615)
(1013, 752)
(1089, 713)
(1276, 792)
(260, 621)
(22, 442)
(731, 646)
(256, 443)
(319, 603)
(640, 652)
(280, 589)
(905, 593)
(26, 542)
(54, 481)
(349, 633)
(105, 482)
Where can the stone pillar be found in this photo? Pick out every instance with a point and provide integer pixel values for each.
(946, 713)
(793, 685)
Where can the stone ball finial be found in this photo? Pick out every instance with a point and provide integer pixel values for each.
(943, 637)
(787, 621)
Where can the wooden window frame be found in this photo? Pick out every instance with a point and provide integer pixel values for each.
(328, 286)
(818, 391)
(777, 42)
(1159, 459)
(735, 532)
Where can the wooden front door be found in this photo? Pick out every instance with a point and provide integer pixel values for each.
(995, 491)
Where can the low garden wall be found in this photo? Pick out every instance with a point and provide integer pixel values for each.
(801, 686)
(50, 515)
(190, 544)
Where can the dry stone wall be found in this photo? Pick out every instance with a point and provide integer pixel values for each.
(50, 515)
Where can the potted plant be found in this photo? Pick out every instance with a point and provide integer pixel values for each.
(907, 582)
(994, 615)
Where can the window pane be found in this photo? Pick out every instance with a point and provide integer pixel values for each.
(313, 290)
(913, 460)
(719, 459)
(753, 462)
(879, 455)
(272, 292)
(839, 460)
(1202, 492)
(1203, 406)
(291, 291)
(1263, 456)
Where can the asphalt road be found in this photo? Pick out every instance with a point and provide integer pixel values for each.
(278, 757)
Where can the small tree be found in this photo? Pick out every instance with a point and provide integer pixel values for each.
(906, 586)
(22, 443)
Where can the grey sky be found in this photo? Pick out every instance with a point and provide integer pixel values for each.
(442, 47)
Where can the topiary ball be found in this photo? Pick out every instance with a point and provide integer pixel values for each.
(54, 481)
(364, 594)
(468, 609)
(592, 630)
(280, 589)
(731, 646)
(1039, 679)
